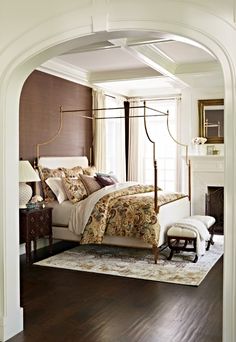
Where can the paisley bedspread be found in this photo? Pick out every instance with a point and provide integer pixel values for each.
(127, 212)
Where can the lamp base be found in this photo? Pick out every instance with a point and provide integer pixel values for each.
(25, 194)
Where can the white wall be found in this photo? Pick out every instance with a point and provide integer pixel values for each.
(189, 122)
(32, 32)
(189, 109)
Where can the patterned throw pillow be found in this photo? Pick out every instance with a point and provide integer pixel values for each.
(74, 172)
(90, 170)
(74, 188)
(110, 174)
(90, 183)
(105, 180)
(46, 173)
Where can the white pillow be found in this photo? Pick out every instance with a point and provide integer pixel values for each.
(56, 185)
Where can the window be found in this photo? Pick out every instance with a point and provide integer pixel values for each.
(166, 148)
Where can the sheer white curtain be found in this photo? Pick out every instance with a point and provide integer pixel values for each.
(135, 166)
(99, 131)
(109, 135)
(181, 169)
(141, 150)
(115, 137)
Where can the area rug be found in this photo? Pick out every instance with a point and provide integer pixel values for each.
(138, 263)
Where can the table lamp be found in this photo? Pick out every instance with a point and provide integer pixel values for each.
(26, 174)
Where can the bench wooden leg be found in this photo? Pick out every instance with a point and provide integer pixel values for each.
(175, 245)
(209, 243)
(171, 254)
(195, 259)
(155, 250)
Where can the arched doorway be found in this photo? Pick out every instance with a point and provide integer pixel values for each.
(49, 39)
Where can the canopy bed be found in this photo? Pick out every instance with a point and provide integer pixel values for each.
(126, 214)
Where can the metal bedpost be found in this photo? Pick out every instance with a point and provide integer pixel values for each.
(156, 207)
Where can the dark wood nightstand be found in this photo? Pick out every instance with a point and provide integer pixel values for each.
(34, 224)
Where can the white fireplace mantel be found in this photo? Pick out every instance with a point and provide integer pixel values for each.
(206, 170)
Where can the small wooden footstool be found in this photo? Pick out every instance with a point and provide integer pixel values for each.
(184, 239)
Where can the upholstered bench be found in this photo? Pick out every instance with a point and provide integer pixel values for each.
(182, 238)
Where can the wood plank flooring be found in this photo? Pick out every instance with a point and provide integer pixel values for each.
(71, 306)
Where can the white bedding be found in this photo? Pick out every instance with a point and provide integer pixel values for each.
(61, 212)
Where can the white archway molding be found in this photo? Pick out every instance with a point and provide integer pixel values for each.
(40, 44)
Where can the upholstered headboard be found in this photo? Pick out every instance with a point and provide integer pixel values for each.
(67, 162)
(55, 162)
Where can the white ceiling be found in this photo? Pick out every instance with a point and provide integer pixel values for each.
(181, 52)
(103, 60)
(140, 66)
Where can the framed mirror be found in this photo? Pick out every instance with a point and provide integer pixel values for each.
(211, 120)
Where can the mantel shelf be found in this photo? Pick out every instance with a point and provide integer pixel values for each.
(206, 156)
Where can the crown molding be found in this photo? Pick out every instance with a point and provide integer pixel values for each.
(66, 71)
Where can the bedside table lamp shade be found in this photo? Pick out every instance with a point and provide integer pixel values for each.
(26, 174)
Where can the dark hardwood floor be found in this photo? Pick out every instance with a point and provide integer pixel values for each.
(70, 306)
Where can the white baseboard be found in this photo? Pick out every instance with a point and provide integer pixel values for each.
(10, 326)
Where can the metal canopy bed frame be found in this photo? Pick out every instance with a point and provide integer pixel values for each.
(126, 116)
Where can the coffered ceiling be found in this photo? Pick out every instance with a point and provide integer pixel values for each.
(139, 66)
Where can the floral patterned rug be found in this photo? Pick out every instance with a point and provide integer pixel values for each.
(138, 263)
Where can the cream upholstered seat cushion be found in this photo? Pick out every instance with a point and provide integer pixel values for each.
(207, 220)
(181, 232)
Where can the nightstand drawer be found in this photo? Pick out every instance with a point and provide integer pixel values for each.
(40, 224)
(34, 224)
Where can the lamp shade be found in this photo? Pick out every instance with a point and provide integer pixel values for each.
(27, 173)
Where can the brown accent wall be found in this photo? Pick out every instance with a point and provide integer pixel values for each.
(41, 98)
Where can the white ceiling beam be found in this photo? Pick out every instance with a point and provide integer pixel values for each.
(122, 75)
(92, 47)
(156, 60)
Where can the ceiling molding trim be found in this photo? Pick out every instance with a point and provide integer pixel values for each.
(71, 73)
(152, 93)
(66, 71)
(123, 75)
